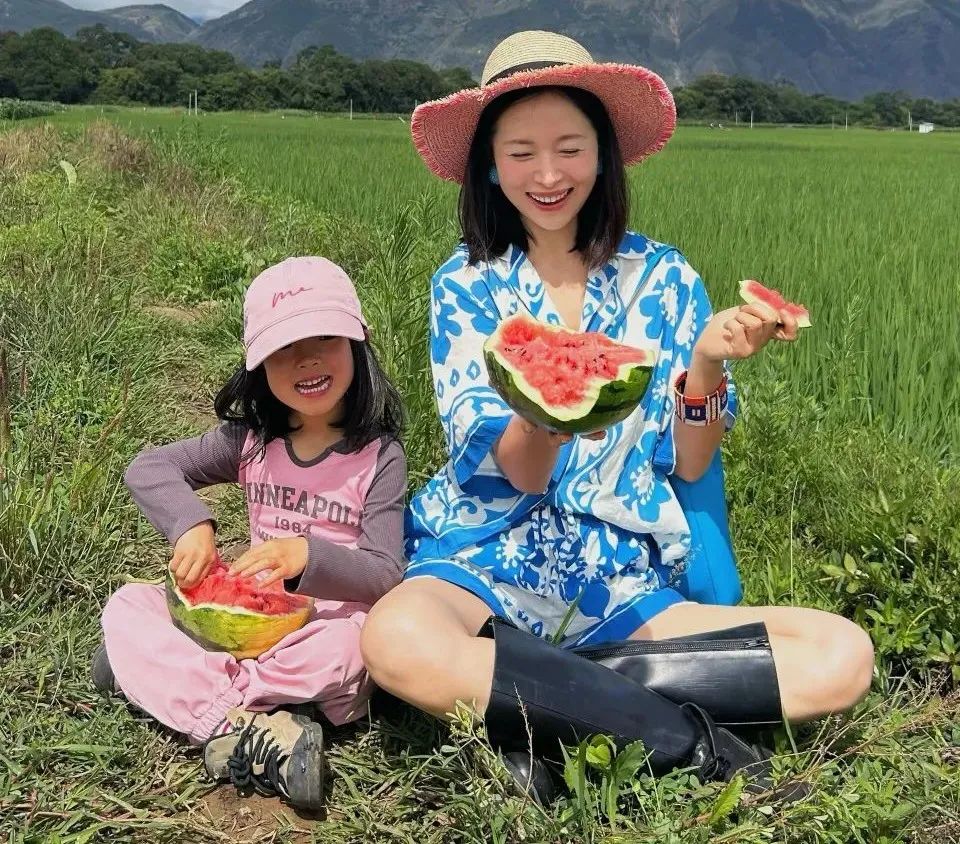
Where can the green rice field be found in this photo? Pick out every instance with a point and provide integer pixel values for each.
(861, 226)
(127, 238)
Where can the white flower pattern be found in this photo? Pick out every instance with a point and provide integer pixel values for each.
(609, 532)
(669, 303)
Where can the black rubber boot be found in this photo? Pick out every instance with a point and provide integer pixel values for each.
(729, 673)
(531, 775)
(561, 697)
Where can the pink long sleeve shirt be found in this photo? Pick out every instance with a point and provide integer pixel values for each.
(348, 505)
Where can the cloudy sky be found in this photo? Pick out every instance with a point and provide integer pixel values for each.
(193, 8)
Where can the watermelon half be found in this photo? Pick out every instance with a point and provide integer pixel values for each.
(753, 291)
(231, 613)
(564, 380)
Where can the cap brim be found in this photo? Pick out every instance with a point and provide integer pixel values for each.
(638, 101)
(299, 327)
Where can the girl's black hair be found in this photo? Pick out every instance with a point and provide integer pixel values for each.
(372, 405)
(490, 223)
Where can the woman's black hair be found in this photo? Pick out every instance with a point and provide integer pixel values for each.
(372, 405)
(490, 223)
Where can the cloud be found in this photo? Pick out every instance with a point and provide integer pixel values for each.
(193, 8)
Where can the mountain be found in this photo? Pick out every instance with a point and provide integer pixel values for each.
(846, 48)
(162, 22)
(842, 47)
(147, 23)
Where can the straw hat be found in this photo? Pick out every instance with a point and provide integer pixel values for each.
(638, 101)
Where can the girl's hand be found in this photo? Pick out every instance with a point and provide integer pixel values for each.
(193, 554)
(286, 557)
(557, 439)
(743, 331)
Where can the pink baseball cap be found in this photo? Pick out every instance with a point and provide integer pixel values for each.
(296, 299)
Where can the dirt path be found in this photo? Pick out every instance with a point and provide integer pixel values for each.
(254, 818)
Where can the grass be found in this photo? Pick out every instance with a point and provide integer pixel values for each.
(11, 109)
(860, 226)
(119, 316)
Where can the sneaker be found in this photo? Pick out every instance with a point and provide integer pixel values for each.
(276, 754)
(101, 674)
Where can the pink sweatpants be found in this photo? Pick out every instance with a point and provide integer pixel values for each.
(166, 674)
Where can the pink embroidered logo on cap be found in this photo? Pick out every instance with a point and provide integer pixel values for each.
(283, 294)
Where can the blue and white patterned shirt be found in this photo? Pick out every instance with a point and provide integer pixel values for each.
(620, 480)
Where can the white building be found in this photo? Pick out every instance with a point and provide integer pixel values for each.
(924, 128)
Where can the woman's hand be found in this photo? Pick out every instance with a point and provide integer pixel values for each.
(527, 454)
(556, 439)
(284, 557)
(193, 554)
(743, 331)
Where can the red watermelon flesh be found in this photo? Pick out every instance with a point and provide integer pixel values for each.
(221, 587)
(557, 363)
(753, 291)
(235, 614)
(798, 311)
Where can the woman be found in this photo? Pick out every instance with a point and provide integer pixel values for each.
(540, 529)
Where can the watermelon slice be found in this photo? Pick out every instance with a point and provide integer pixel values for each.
(565, 380)
(753, 291)
(234, 614)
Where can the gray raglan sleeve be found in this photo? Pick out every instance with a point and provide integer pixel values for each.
(365, 573)
(163, 481)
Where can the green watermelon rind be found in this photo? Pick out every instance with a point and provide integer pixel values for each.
(615, 401)
(241, 632)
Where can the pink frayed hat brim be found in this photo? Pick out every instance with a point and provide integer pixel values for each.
(638, 101)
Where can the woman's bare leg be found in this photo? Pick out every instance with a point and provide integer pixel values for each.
(824, 662)
(420, 643)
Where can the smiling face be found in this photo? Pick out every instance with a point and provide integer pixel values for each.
(545, 150)
(311, 377)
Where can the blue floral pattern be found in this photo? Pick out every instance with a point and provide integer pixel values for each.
(604, 545)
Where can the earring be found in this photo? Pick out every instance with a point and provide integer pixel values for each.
(494, 176)
(599, 167)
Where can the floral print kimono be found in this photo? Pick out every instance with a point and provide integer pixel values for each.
(600, 551)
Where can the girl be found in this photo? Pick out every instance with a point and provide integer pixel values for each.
(309, 429)
(538, 529)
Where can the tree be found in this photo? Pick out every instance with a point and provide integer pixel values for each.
(122, 85)
(190, 58)
(395, 85)
(890, 107)
(454, 79)
(321, 75)
(689, 102)
(161, 80)
(8, 86)
(245, 90)
(106, 49)
(272, 88)
(949, 112)
(45, 65)
(113, 67)
(925, 109)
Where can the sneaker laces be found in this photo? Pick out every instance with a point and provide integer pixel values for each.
(257, 746)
